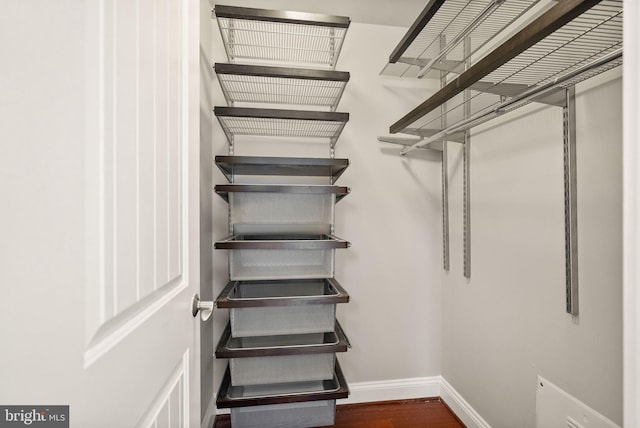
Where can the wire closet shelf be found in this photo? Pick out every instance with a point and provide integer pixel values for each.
(569, 43)
(258, 35)
(243, 83)
(280, 123)
(434, 42)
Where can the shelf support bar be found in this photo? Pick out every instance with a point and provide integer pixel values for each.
(467, 204)
(332, 46)
(445, 206)
(570, 202)
(227, 97)
(445, 170)
(467, 171)
(231, 139)
(231, 54)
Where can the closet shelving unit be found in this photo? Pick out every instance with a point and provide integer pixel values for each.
(492, 57)
(283, 336)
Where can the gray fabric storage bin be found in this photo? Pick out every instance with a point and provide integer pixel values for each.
(281, 212)
(249, 264)
(283, 368)
(261, 308)
(281, 320)
(295, 415)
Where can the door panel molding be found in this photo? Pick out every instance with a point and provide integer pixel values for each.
(170, 407)
(137, 247)
(118, 328)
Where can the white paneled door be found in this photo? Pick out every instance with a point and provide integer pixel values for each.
(100, 184)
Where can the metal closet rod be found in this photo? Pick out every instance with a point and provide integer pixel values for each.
(540, 28)
(487, 114)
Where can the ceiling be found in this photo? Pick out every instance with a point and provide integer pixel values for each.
(398, 13)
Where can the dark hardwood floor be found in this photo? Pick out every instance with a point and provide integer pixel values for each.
(417, 413)
(426, 412)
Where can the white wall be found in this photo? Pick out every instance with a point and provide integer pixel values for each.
(631, 215)
(220, 228)
(42, 185)
(207, 342)
(508, 324)
(392, 270)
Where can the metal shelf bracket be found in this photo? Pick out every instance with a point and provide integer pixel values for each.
(466, 217)
(230, 139)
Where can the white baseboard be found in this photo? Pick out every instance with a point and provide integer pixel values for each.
(210, 414)
(401, 389)
(397, 389)
(460, 407)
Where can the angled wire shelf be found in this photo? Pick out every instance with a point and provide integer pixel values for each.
(280, 123)
(258, 35)
(435, 40)
(569, 43)
(281, 85)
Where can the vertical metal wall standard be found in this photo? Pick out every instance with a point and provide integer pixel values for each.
(570, 201)
(467, 170)
(445, 169)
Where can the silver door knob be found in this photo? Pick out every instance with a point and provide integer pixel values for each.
(205, 308)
